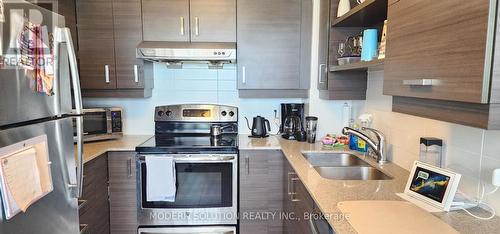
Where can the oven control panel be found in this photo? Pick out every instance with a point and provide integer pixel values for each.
(196, 113)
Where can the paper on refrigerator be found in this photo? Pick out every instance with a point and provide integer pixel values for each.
(24, 175)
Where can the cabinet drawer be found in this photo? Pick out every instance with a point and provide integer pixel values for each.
(432, 53)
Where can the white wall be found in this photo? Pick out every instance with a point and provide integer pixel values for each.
(191, 84)
(464, 150)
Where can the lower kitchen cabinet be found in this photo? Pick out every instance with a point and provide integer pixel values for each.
(296, 203)
(122, 192)
(269, 185)
(261, 191)
(93, 205)
(302, 213)
(108, 203)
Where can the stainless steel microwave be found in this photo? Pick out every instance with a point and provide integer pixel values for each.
(101, 124)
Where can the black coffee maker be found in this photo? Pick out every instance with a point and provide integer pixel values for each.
(292, 119)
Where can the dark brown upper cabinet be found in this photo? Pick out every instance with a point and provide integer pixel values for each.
(442, 66)
(108, 33)
(433, 54)
(96, 51)
(274, 50)
(165, 20)
(189, 20)
(213, 21)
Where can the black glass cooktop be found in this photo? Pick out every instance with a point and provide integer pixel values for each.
(189, 143)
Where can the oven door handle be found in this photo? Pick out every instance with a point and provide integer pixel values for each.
(198, 159)
(204, 159)
(226, 232)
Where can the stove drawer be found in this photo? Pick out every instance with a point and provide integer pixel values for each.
(189, 230)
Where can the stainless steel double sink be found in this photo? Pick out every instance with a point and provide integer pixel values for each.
(343, 166)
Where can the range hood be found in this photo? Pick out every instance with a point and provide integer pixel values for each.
(187, 52)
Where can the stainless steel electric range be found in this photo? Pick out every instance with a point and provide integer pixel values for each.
(206, 170)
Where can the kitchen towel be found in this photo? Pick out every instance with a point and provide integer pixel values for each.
(160, 178)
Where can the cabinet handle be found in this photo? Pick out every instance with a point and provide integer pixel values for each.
(182, 26)
(84, 229)
(421, 82)
(82, 203)
(247, 164)
(288, 180)
(129, 168)
(321, 73)
(196, 26)
(106, 73)
(136, 73)
(312, 225)
(292, 195)
(243, 75)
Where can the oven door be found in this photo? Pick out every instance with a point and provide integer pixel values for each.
(189, 230)
(206, 192)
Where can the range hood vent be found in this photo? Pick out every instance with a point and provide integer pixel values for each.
(185, 52)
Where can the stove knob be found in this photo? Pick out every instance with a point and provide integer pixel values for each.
(231, 113)
(223, 113)
(160, 113)
(169, 113)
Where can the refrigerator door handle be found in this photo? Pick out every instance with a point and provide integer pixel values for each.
(79, 168)
(63, 35)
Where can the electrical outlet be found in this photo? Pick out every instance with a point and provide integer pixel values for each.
(495, 180)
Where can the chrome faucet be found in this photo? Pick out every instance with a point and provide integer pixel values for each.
(378, 148)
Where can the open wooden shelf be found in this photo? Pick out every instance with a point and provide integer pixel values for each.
(377, 64)
(366, 14)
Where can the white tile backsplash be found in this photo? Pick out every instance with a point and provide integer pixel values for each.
(191, 84)
(462, 144)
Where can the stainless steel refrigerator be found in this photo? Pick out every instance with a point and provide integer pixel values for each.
(25, 114)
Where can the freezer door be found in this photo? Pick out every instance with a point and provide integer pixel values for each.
(18, 101)
(57, 212)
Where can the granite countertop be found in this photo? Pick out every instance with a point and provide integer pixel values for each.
(92, 150)
(327, 193)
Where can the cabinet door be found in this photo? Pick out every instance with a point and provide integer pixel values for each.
(94, 206)
(128, 34)
(122, 192)
(96, 44)
(269, 42)
(428, 42)
(165, 20)
(213, 21)
(296, 201)
(261, 190)
(324, 32)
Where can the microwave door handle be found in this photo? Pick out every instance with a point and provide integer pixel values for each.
(63, 35)
(109, 121)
